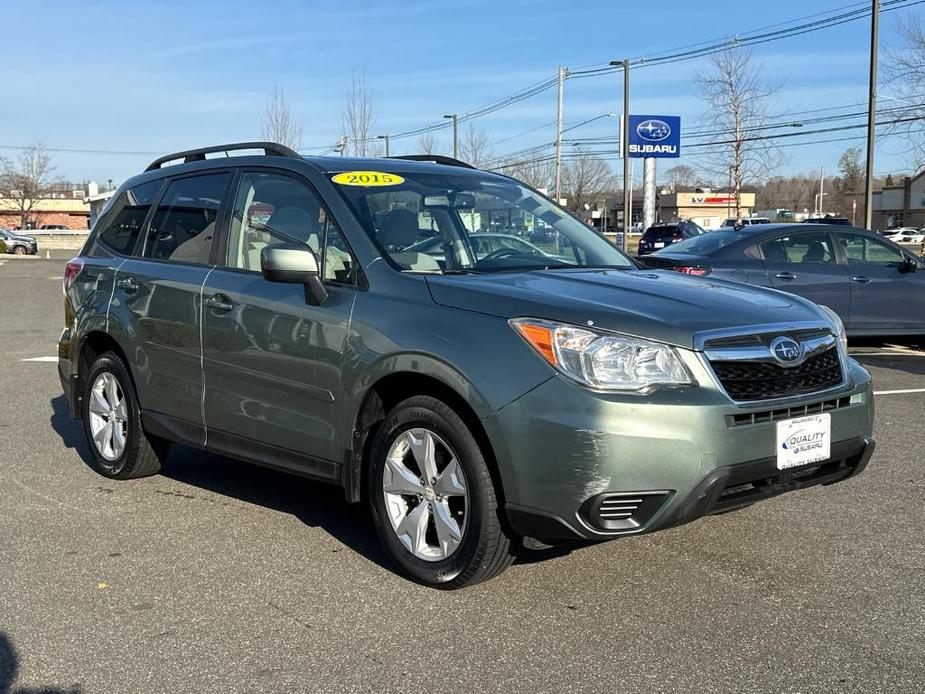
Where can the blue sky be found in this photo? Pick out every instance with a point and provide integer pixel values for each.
(155, 77)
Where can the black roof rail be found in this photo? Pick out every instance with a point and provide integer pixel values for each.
(436, 159)
(199, 154)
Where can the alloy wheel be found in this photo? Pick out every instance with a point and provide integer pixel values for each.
(426, 494)
(108, 416)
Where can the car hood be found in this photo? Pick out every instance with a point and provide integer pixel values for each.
(20, 237)
(659, 305)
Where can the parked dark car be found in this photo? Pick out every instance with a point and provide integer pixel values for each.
(19, 244)
(875, 286)
(659, 236)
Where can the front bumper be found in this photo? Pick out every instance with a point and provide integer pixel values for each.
(675, 455)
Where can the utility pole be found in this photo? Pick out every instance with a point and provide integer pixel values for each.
(455, 135)
(562, 74)
(342, 144)
(386, 138)
(871, 115)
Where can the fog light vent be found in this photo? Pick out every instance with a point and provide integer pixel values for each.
(622, 511)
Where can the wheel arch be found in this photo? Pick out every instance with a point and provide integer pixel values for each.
(389, 390)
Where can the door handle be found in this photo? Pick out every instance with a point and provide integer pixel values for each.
(219, 302)
(860, 279)
(785, 276)
(128, 285)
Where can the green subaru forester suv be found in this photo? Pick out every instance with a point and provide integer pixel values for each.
(341, 319)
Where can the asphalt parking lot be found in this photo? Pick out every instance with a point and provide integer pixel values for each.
(216, 576)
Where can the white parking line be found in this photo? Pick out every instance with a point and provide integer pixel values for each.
(899, 392)
(41, 359)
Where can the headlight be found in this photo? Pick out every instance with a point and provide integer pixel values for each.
(839, 328)
(605, 361)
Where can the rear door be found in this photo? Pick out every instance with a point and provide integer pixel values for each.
(158, 296)
(805, 263)
(273, 363)
(884, 296)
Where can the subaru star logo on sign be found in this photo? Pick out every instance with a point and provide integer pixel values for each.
(787, 351)
(655, 136)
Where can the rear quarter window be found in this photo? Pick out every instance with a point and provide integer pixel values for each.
(120, 228)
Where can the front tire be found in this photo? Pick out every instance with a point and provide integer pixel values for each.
(19, 250)
(432, 497)
(112, 422)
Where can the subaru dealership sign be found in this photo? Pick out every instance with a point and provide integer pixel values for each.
(655, 136)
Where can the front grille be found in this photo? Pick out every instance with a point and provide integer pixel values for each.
(754, 380)
(737, 420)
(622, 511)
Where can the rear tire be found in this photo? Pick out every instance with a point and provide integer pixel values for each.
(112, 423)
(460, 536)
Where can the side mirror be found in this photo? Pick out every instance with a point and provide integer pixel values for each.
(294, 265)
(909, 265)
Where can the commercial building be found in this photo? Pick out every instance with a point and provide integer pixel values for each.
(900, 205)
(707, 208)
(70, 213)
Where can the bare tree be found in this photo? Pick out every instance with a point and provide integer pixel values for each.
(25, 180)
(279, 125)
(739, 104)
(850, 183)
(536, 174)
(681, 176)
(427, 143)
(357, 118)
(904, 69)
(473, 148)
(586, 179)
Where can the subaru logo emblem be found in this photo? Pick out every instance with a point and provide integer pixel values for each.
(787, 351)
(653, 130)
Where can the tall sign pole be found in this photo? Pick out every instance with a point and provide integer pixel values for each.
(871, 115)
(627, 185)
(562, 73)
(648, 192)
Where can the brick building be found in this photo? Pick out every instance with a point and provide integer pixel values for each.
(70, 212)
(900, 205)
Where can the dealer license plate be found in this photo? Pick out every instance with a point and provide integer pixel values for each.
(804, 440)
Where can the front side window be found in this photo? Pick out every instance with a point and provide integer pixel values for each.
(122, 223)
(799, 248)
(475, 222)
(862, 249)
(272, 209)
(184, 223)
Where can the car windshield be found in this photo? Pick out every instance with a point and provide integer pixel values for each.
(705, 243)
(469, 222)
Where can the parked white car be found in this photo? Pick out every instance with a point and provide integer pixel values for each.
(914, 236)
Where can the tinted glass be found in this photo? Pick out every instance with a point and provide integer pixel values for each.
(122, 223)
(184, 223)
(272, 209)
(704, 244)
(799, 248)
(454, 208)
(863, 249)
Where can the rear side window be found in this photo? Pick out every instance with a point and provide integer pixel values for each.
(862, 249)
(184, 223)
(799, 248)
(122, 223)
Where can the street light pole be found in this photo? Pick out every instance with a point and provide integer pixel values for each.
(627, 184)
(455, 135)
(871, 115)
(386, 138)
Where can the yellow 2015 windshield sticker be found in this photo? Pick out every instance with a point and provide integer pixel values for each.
(367, 178)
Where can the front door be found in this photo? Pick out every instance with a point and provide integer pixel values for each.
(805, 263)
(159, 293)
(884, 296)
(272, 362)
